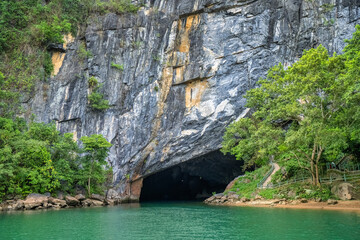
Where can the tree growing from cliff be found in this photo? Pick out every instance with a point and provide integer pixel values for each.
(308, 113)
(96, 149)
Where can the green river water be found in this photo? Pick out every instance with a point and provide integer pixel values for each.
(179, 221)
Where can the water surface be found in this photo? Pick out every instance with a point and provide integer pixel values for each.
(180, 221)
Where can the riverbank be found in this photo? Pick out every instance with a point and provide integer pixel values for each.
(349, 205)
(36, 201)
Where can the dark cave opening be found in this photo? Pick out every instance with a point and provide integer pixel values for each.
(195, 179)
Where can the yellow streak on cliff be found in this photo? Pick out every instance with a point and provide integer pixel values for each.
(57, 58)
(179, 74)
(193, 93)
(191, 22)
(165, 85)
(75, 136)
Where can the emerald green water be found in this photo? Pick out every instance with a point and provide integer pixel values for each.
(179, 221)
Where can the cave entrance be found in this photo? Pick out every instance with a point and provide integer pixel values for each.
(195, 179)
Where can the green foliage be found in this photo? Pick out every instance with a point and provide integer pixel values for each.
(252, 141)
(35, 158)
(96, 148)
(83, 53)
(9, 100)
(26, 158)
(117, 66)
(93, 82)
(97, 101)
(268, 193)
(51, 32)
(137, 44)
(246, 186)
(302, 190)
(306, 114)
(117, 6)
(156, 88)
(157, 58)
(47, 65)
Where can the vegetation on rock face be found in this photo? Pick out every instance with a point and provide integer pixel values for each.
(28, 27)
(305, 115)
(96, 99)
(117, 66)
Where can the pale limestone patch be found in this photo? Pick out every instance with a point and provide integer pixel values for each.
(189, 132)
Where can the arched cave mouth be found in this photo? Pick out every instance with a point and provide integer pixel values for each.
(195, 179)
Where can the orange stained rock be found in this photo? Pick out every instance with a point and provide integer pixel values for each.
(179, 74)
(57, 58)
(190, 22)
(193, 93)
(135, 187)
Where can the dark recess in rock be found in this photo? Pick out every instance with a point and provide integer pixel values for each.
(192, 180)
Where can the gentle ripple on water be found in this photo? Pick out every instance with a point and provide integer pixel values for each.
(179, 221)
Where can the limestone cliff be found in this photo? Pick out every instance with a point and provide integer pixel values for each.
(187, 64)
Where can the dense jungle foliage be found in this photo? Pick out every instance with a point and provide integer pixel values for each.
(36, 158)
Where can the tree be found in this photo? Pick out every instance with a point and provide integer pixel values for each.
(96, 149)
(308, 112)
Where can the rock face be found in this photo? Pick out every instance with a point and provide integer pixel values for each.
(71, 201)
(186, 66)
(35, 200)
(344, 191)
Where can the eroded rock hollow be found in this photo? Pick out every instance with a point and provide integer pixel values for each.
(195, 179)
(186, 65)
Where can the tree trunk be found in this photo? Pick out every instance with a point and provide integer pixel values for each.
(89, 186)
(317, 182)
(319, 152)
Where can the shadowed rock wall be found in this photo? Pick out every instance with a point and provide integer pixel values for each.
(186, 65)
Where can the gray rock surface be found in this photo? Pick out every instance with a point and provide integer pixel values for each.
(186, 65)
(97, 197)
(344, 191)
(71, 201)
(35, 200)
(80, 197)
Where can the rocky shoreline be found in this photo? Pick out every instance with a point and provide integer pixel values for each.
(36, 201)
(233, 199)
